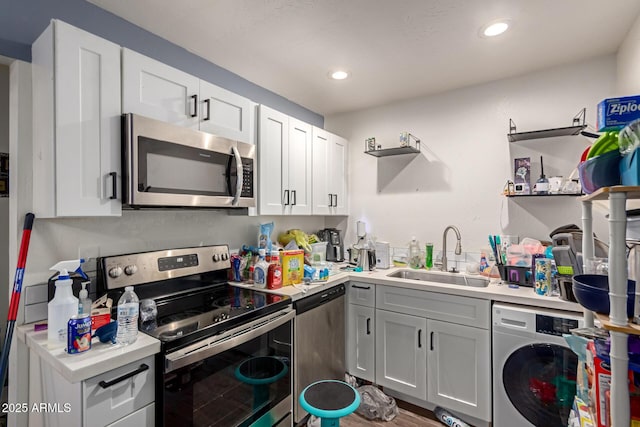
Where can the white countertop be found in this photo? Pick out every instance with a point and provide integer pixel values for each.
(100, 359)
(105, 357)
(503, 293)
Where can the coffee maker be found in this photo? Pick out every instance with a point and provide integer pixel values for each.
(335, 248)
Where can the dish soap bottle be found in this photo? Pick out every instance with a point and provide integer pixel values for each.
(415, 260)
(84, 306)
(63, 306)
(542, 184)
(260, 270)
(274, 277)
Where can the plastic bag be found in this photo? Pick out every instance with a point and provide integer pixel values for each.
(374, 404)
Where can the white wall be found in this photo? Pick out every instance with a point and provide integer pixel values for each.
(629, 63)
(466, 157)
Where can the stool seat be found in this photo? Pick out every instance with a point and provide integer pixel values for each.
(329, 400)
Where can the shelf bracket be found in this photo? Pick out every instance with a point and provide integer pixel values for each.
(580, 118)
(512, 126)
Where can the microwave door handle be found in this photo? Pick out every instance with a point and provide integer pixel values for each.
(239, 174)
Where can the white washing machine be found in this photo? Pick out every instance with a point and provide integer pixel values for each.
(534, 370)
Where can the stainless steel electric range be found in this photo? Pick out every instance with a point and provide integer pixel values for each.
(226, 352)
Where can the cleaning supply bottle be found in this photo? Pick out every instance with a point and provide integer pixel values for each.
(415, 260)
(274, 276)
(128, 310)
(260, 271)
(84, 306)
(64, 304)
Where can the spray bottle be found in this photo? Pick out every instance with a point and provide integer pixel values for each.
(63, 305)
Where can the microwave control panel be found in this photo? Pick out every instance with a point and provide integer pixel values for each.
(247, 178)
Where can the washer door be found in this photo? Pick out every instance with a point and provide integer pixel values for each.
(540, 381)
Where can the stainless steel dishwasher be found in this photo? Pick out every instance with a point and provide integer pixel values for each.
(318, 344)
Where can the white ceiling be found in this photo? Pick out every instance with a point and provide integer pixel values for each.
(395, 49)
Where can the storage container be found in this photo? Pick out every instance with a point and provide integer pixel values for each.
(630, 168)
(616, 113)
(600, 171)
(292, 267)
(318, 253)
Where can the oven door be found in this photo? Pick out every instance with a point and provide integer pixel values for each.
(241, 377)
(167, 165)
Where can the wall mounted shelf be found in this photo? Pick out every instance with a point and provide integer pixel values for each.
(412, 147)
(578, 125)
(545, 195)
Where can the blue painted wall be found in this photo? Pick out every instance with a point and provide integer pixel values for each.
(22, 21)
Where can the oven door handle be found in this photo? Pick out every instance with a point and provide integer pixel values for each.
(225, 341)
(239, 175)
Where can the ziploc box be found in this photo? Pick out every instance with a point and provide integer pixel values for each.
(616, 113)
(292, 267)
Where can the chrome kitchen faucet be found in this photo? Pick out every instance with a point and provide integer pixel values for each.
(444, 245)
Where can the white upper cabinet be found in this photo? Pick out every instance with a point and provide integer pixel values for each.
(329, 173)
(76, 123)
(284, 164)
(225, 113)
(159, 91)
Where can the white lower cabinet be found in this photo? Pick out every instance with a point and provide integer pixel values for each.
(121, 392)
(459, 368)
(142, 417)
(122, 397)
(361, 342)
(430, 346)
(401, 353)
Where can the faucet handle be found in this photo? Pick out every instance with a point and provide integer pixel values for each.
(453, 270)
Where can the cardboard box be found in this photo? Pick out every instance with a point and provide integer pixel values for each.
(292, 267)
(616, 113)
(100, 317)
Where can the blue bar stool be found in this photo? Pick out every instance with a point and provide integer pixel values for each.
(329, 400)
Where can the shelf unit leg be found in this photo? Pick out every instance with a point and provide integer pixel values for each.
(617, 259)
(620, 412)
(620, 408)
(587, 248)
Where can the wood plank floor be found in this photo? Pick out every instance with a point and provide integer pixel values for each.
(404, 418)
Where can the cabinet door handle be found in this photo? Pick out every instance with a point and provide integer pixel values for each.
(114, 184)
(368, 326)
(330, 200)
(419, 338)
(195, 105)
(361, 287)
(106, 384)
(293, 196)
(335, 204)
(286, 195)
(431, 339)
(208, 102)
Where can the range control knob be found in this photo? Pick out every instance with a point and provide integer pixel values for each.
(225, 256)
(115, 272)
(216, 258)
(130, 269)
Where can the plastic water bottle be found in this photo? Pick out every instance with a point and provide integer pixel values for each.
(128, 309)
(448, 419)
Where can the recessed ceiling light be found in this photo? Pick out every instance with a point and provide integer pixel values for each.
(495, 29)
(339, 75)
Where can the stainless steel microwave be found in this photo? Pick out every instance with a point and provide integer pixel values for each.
(165, 165)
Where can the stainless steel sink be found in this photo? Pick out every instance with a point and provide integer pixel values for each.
(447, 278)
